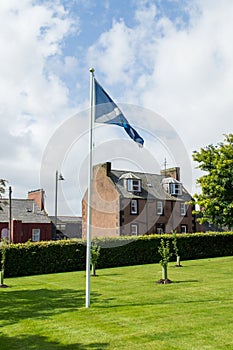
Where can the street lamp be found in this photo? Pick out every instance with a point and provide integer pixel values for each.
(59, 177)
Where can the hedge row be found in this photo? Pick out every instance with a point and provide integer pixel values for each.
(44, 257)
(62, 256)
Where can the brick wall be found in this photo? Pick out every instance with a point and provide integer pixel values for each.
(105, 205)
(38, 197)
(22, 232)
(147, 219)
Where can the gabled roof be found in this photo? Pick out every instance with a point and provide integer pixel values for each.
(129, 176)
(25, 210)
(151, 186)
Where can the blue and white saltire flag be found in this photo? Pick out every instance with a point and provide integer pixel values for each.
(106, 111)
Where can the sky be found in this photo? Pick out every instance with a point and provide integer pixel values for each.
(167, 63)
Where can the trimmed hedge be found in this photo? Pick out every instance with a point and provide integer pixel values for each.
(62, 256)
(44, 257)
(144, 249)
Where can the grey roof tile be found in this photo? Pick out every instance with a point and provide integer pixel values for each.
(25, 210)
(151, 186)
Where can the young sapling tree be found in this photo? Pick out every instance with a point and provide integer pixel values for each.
(95, 252)
(164, 251)
(176, 250)
(3, 260)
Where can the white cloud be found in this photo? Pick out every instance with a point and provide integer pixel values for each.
(179, 67)
(185, 73)
(33, 99)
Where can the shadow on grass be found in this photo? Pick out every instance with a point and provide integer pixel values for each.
(34, 342)
(40, 303)
(186, 281)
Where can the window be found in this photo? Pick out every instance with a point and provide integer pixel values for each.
(159, 207)
(5, 234)
(183, 209)
(134, 229)
(35, 234)
(133, 206)
(175, 188)
(61, 227)
(134, 185)
(160, 228)
(184, 228)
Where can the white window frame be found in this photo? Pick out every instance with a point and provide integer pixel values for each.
(183, 209)
(35, 234)
(183, 228)
(134, 229)
(175, 188)
(134, 185)
(133, 206)
(159, 208)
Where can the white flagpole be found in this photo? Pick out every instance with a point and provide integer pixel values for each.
(90, 176)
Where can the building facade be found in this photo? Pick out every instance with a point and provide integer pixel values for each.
(22, 220)
(133, 203)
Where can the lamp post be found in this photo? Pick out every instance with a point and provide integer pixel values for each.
(59, 177)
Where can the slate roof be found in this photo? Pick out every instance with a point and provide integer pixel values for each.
(25, 210)
(68, 226)
(151, 186)
(63, 219)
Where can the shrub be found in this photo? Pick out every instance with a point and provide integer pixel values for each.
(44, 257)
(61, 256)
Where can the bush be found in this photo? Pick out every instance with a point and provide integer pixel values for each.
(44, 257)
(61, 256)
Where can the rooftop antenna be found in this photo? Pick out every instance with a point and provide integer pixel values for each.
(165, 167)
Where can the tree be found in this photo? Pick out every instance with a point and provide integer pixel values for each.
(95, 252)
(164, 251)
(3, 249)
(176, 250)
(3, 262)
(216, 199)
(2, 189)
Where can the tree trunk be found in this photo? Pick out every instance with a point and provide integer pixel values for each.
(178, 260)
(1, 277)
(93, 270)
(164, 272)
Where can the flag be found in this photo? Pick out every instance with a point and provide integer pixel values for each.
(106, 111)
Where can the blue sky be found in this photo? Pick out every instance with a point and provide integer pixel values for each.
(168, 62)
(92, 18)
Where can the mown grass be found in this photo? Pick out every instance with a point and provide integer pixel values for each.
(128, 309)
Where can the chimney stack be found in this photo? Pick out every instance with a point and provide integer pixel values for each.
(171, 172)
(38, 197)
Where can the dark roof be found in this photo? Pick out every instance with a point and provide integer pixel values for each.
(64, 219)
(25, 210)
(68, 226)
(151, 186)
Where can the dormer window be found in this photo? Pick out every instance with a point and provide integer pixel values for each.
(175, 189)
(134, 185)
(131, 182)
(172, 186)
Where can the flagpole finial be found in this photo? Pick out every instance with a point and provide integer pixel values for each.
(91, 70)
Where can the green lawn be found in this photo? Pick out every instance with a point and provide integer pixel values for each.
(128, 309)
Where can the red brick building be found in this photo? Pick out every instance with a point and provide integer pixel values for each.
(134, 203)
(29, 221)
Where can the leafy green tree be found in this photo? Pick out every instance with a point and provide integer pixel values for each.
(95, 252)
(216, 199)
(164, 251)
